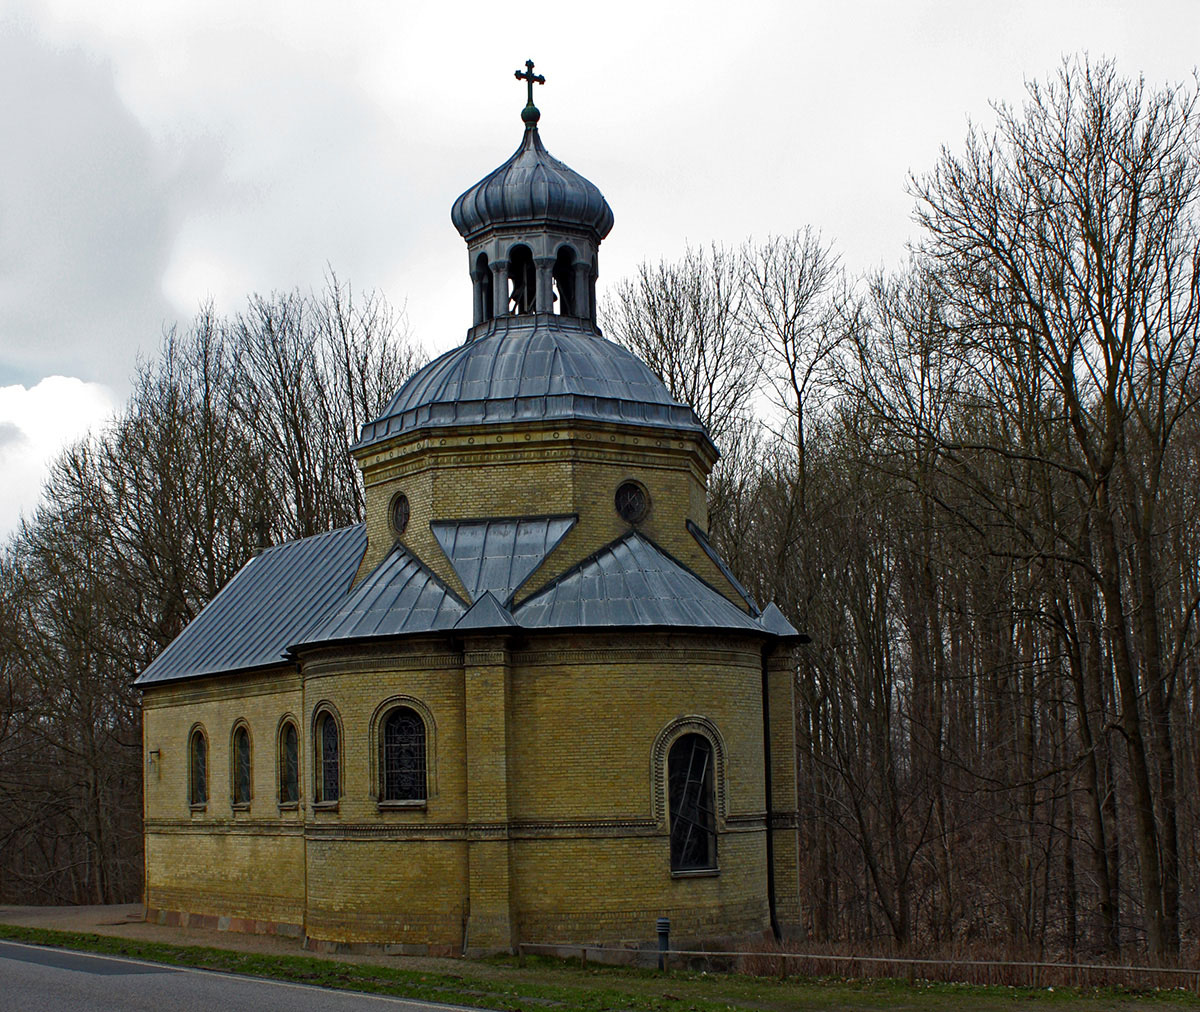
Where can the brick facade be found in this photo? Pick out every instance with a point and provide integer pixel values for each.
(546, 812)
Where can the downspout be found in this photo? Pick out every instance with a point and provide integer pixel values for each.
(766, 722)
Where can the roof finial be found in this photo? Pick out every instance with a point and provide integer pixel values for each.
(530, 113)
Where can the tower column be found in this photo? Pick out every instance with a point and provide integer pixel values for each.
(490, 924)
(545, 284)
(500, 288)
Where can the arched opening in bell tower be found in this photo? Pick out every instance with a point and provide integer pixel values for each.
(522, 281)
(484, 303)
(564, 282)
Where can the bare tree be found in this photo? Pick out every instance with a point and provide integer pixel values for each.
(1068, 240)
(139, 527)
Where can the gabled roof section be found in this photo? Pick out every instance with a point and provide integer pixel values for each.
(632, 582)
(399, 597)
(498, 556)
(270, 603)
(711, 552)
(774, 621)
(486, 613)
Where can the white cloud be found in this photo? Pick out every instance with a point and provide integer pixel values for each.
(87, 220)
(35, 424)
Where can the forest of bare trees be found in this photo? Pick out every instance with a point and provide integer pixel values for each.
(234, 436)
(974, 482)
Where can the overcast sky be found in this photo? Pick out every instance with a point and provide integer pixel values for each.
(156, 155)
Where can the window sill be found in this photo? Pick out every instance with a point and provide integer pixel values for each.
(198, 807)
(696, 873)
(240, 806)
(289, 806)
(325, 806)
(390, 806)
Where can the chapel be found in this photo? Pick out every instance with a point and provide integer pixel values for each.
(526, 701)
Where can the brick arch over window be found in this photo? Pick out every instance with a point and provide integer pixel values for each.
(378, 744)
(197, 772)
(691, 724)
(328, 748)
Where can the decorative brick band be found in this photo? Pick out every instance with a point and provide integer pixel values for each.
(217, 922)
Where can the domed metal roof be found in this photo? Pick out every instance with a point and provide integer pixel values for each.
(532, 186)
(532, 368)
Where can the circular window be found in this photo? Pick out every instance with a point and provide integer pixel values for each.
(632, 502)
(400, 512)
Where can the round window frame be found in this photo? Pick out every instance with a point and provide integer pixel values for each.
(631, 483)
(399, 502)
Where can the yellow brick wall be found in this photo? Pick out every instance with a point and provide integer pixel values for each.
(385, 890)
(482, 471)
(426, 671)
(587, 711)
(558, 832)
(218, 859)
(613, 890)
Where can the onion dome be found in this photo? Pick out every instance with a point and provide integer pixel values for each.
(532, 187)
(527, 370)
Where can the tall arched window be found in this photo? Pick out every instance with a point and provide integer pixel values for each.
(690, 799)
(328, 759)
(241, 765)
(197, 768)
(289, 764)
(402, 756)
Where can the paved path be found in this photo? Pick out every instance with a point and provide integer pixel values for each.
(34, 978)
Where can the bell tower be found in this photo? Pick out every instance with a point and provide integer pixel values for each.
(533, 229)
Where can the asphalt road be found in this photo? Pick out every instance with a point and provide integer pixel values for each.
(33, 978)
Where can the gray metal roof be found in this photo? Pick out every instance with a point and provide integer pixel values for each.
(298, 594)
(400, 596)
(632, 582)
(532, 186)
(702, 540)
(776, 623)
(499, 555)
(486, 613)
(270, 602)
(532, 368)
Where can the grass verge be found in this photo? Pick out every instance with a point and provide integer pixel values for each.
(549, 985)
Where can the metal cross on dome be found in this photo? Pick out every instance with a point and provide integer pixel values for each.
(530, 77)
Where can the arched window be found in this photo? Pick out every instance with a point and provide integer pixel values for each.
(327, 759)
(523, 278)
(690, 800)
(289, 764)
(564, 281)
(197, 768)
(402, 756)
(241, 765)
